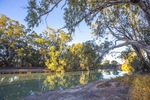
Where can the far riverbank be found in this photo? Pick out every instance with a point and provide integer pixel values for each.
(35, 70)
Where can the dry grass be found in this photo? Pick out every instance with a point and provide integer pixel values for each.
(140, 86)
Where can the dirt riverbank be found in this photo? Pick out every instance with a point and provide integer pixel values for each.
(98, 90)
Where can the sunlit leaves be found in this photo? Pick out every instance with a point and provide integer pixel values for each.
(127, 67)
(48, 49)
(11, 37)
(56, 61)
(131, 62)
(84, 78)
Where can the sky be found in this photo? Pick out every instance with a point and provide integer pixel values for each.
(15, 9)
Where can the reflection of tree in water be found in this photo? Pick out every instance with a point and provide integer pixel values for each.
(107, 71)
(63, 81)
(111, 71)
(60, 81)
(115, 72)
(84, 78)
(55, 81)
(90, 76)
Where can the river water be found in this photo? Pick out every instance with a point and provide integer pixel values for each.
(16, 86)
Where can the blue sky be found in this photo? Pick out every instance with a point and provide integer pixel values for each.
(14, 9)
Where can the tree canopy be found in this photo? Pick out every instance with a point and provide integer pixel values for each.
(20, 48)
(128, 21)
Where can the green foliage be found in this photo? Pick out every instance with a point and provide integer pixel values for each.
(19, 49)
(114, 62)
(11, 43)
(108, 64)
(131, 61)
(83, 56)
(56, 60)
(91, 51)
(49, 49)
(123, 21)
(71, 58)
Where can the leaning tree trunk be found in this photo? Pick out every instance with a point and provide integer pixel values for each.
(140, 45)
(148, 57)
(145, 6)
(144, 63)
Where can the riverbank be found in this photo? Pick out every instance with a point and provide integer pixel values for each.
(33, 70)
(98, 90)
(24, 71)
(134, 87)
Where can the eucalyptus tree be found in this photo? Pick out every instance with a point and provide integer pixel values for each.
(18, 48)
(126, 24)
(91, 51)
(77, 9)
(11, 41)
(109, 16)
(56, 60)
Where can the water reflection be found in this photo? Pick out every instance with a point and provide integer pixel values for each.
(13, 87)
(84, 78)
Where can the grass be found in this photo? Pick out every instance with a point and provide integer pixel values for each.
(139, 86)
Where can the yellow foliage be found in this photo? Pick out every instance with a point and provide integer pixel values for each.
(64, 37)
(39, 40)
(55, 62)
(127, 67)
(2, 21)
(84, 78)
(42, 51)
(52, 80)
(76, 48)
(93, 25)
(52, 48)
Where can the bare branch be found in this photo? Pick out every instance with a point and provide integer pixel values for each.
(107, 50)
(51, 9)
(64, 4)
(115, 35)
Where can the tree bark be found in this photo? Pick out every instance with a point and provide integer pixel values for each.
(140, 45)
(148, 57)
(145, 6)
(145, 65)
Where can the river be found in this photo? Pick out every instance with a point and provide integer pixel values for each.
(16, 86)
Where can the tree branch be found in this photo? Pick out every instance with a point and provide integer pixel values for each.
(141, 45)
(50, 9)
(107, 50)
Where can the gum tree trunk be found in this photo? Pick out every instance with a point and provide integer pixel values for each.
(145, 65)
(145, 6)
